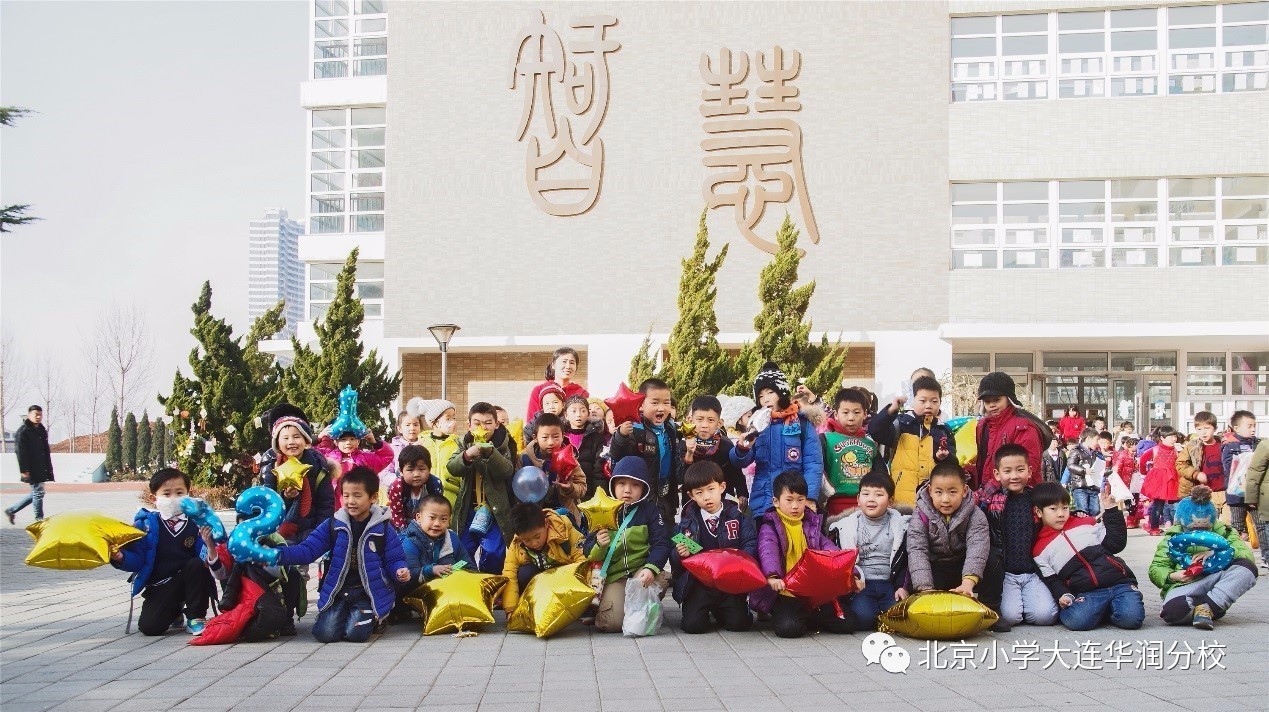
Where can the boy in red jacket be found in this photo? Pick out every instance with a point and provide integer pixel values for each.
(1005, 421)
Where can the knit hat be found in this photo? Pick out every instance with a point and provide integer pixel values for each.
(770, 376)
(595, 400)
(429, 410)
(550, 388)
(996, 384)
(1197, 510)
(284, 414)
(734, 407)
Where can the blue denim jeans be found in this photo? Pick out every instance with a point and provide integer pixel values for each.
(36, 497)
(1084, 499)
(871, 602)
(1026, 598)
(350, 617)
(1121, 604)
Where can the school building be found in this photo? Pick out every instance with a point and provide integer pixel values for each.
(1075, 192)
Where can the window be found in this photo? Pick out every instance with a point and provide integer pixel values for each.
(971, 363)
(321, 287)
(1063, 361)
(345, 45)
(1250, 373)
(347, 156)
(1015, 364)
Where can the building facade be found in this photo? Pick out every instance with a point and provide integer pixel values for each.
(1076, 193)
(274, 271)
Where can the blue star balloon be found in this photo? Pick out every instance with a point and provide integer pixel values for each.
(346, 421)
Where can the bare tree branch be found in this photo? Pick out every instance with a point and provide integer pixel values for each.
(48, 386)
(95, 384)
(127, 351)
(14, 380)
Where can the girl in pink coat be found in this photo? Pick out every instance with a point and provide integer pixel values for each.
(345, 448)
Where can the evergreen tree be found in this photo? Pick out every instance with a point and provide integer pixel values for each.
(783, 336)
(114, 444)
(158, 447)
(644, 364)
(130, 443)
(145, 457)
(264, 371)
(317, 375)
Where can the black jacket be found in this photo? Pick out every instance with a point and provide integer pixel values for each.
(34, 457)
(736, 485)
(589, 455)
(642, 441)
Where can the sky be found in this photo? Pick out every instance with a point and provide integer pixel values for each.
(159, 129)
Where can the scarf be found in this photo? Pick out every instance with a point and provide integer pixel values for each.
(790, 412)
(796, 538)
(836, 427)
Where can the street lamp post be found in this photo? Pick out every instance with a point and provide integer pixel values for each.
(443, 333)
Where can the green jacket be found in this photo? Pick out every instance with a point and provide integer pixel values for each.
(1163, 565)
(492, 471)
(1257, 483)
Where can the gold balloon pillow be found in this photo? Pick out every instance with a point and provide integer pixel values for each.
(938, 615)
(78, 539)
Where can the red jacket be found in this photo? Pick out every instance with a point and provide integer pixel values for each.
(572, 389)
(1070, 428)
(1007, 426)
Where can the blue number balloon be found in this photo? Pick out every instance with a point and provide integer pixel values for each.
(1222, 551)
(346, 421)
(201, 514)
(530, 484)
(265, 507)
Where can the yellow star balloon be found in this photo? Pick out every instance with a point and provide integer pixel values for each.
(461, 599)
(687, 429)
(552, 600)
(600, 511)
(78, 539)
(479, 435)
(938, 615)
(291, 474)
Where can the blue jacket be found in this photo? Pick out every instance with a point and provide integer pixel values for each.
(775, 452)
(380, 557)
(422, 552)
(138, 556)
(735, 531)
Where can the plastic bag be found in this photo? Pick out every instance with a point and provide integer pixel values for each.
(1238, 467)
(643, 614)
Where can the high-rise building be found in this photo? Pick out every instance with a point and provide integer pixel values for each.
(274, 271)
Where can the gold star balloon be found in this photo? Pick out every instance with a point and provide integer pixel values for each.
(291, 474)
(552, 600)
(600, 510)
(78, 539)
(938, 615)
(461, 599)
(480, 436)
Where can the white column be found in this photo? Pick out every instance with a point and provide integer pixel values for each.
(608, 361)
(899, 353)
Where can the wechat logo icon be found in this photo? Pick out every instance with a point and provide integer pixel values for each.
(880, 648)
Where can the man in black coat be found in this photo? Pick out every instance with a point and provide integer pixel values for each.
(35, 461)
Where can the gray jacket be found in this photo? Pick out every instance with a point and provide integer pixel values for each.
(930, 538)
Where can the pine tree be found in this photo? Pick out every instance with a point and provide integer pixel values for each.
(145, 457)
(158, 448)
(318, 375)
(265, 373)
(130, 443)
(783, 336)
(644, 364)
(114, 444)
(697, 364)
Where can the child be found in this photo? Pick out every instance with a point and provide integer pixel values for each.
(948, 537)
(786, 532)
(656, 441)
(281, 586)
(440, 441)
(483, 471)
(1053, 463)
(915, 439)
(1006, 421)
(1105, 447)
(1124, 467)
(1240, 438)
(1079, 476)
(876, 530)
(409, 425)
(168, 560)
(1200, 600)
(1126, 430)
(1161, 483)
(550, 401)
(709, 443)
(637, 552)
(431, 550)
(714, 523)
(586, 434)
(848, 453)
(1071, 426)
(1012, 584)
(406, 493)
(1200, 461)
(1076, 557)
(345, 448)
(567, 488)
(350, 606)
(314, 501)
(1257, 493)
(543, 540)
(1099, 424)
(789, 443)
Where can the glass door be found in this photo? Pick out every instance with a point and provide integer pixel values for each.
(1160, 400)
(1125, 404)
(1145, 401)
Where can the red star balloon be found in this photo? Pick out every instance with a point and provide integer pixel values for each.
(625, 405)
(822, 576)
(728, 570)
(563, 462)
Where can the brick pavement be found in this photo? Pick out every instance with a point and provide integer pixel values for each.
(62, 647)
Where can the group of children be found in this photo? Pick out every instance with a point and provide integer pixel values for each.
(777, 477)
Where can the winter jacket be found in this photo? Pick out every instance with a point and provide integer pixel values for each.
(376, 460)
(914, 445)
(563, 546)
(567, 489)
(423, 553)
(1123, 464)
(1052, 465)
(846, 533)
(775, 451)
(644, 544)
(1070, 429)
(1010, 425)
(1079, 469)
(379, 556)
(721, 456)
(773, 542)
(1231, 446)
(1189, 465)
(399, 500)
(1018, 540)
(34, 456)
(138, 557)
(572, 388)
(316, 501)
(590, 448)
(490, 472)
(735, 531)
(397, 444)
(1258, 482)
(1081, 557)
(642, 441)
(442, 451)
(931, 538)
(1161, 477)
(1162, 566)
(847, 458)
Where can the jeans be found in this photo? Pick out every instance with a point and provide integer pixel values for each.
(1084, 499)
(1026, 598)
(790, 618)
(350, 617)
(1121, 604)
(1220, 589)
(871, 602)
(36, 497)
(1161, 511)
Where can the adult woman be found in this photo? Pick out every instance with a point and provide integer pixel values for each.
(564, 363)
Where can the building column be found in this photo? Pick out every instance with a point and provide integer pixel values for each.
(899, 353)
(608, 362)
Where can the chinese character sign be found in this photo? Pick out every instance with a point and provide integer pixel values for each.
(754, 159)
(563, 135)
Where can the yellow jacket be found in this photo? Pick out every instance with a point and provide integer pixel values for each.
(563, 546)
(442, 451)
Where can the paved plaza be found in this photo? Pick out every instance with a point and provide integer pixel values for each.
(63, 647)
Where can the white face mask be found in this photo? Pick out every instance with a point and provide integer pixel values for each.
(168, 507)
